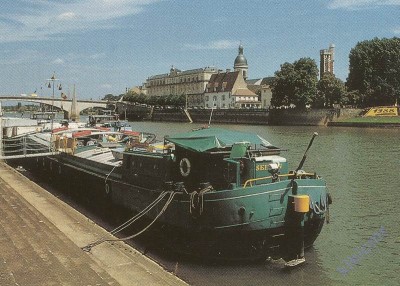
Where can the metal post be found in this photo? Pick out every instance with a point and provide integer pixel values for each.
(52, 80)
(52, 107)
(1, 131)
(24, 145)
(186, 101)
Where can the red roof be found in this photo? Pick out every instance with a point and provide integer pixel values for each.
(222, 81)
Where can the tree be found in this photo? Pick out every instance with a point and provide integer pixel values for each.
(375, 71)
(111, 97)
(295, 84)
(152, 100)
(352, 98)
(331, 90)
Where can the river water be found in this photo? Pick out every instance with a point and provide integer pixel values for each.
(360, 245)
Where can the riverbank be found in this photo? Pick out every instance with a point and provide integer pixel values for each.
(369, 122)
(285, 117)
(42, 240)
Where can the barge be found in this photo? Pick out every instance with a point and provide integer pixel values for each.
(210, 192)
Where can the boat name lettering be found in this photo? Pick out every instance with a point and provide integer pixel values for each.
(263, 167)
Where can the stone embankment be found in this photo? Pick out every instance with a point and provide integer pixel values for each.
(289, 117)
(41, 240)
(312, 117)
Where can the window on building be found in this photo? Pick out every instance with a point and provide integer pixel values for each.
(207, 98)
(223, 97)
(214, 98)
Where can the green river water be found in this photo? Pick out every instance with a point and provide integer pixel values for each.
(361, 244)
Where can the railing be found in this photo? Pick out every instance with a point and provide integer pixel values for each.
(24, 147)
(298, 175)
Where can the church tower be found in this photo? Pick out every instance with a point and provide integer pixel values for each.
(327, 60)
(241, 63)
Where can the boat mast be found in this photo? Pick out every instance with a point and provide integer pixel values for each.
(209, 121)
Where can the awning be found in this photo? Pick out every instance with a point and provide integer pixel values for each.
(213, 138)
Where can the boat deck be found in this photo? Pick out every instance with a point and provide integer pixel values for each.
(100, 155)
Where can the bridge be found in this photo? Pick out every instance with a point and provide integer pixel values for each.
(61, 104)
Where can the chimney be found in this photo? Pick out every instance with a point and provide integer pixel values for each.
(228, 70)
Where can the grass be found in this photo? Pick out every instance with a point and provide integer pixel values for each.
(377, 119)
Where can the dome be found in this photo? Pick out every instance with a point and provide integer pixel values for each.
(240, 59)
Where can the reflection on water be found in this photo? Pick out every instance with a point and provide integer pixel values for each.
(361, 167)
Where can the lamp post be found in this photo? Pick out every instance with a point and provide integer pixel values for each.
(50, 85)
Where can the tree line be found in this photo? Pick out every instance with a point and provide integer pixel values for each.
(373, 79)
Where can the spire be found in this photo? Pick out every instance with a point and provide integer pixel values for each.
(74, 115)
(240, 49)
(241, 63)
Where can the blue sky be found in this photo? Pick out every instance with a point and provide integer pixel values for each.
(104, 46)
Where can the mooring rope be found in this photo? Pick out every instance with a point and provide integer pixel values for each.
(171, 197)
(200, 200)
(105, 180)
(139, 215)
(133, 219)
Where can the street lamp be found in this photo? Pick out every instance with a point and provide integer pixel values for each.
(50, 85)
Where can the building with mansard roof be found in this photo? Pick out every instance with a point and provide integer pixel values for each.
(190, 83)
(229, 90)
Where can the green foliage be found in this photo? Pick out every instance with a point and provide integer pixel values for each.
(295, 84)
(352, 99)
(375, 71)
(169, 100)
(331, 90)
(111, 97)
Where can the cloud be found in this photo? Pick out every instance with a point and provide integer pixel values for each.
(97, 56)
(58, 61)
(43, 20)
(361, 4)
(67, 16)
(20, 56)
(214, 45)
(106, 85)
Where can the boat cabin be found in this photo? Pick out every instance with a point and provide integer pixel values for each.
(225, 159)
(98, 120)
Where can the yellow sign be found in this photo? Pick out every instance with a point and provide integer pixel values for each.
(382, 111)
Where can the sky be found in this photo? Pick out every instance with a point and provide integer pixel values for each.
(106, 46)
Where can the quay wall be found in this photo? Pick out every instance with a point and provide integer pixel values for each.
(312, 117)
(229, 116)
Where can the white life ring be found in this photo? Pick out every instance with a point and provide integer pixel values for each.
(184, 167)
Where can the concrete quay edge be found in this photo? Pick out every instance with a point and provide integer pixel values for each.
(122, 262)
